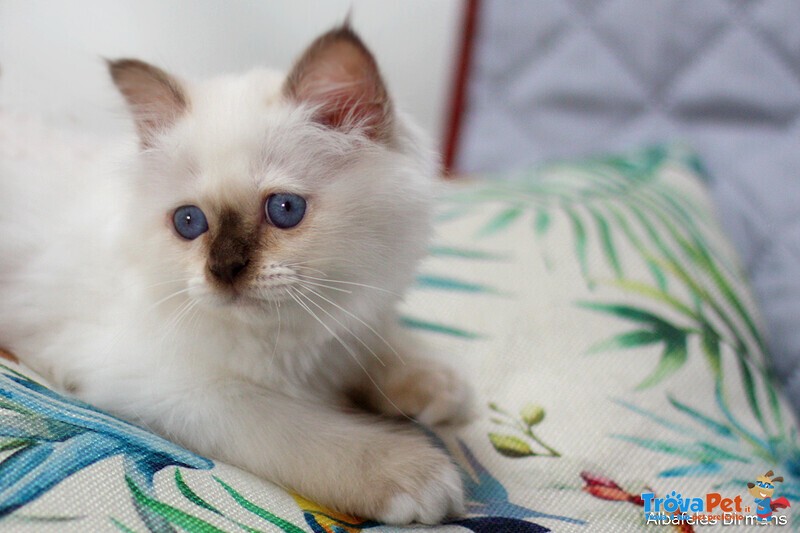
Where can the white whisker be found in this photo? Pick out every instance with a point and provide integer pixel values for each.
(194, 321)
(371, 329)
(343, 259)
(300, 265)
(348, 330)
(353, 355)
(172, 325)
(162, 300)
(293, 278)
(277, 336)
(324, 325)
(329, 280)
(178, 280)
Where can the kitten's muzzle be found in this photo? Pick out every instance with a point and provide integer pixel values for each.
(228, 271)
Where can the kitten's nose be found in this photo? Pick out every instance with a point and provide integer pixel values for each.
(228, 270)
(230, 248)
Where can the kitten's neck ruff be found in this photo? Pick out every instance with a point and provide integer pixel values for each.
(279, 344)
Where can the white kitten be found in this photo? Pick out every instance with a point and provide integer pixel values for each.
(232, 283)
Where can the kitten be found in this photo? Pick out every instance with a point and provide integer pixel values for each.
(232, 281)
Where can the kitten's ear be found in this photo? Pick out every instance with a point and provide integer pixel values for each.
(155, 98)
(338, 74)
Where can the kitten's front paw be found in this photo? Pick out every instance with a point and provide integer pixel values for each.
(432, 393)
(428, 489)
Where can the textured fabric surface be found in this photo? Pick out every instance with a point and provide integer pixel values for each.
(558, 78)
(610, 335)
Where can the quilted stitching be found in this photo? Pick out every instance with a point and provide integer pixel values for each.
(660, 59)
(524, 42)
(774, 23)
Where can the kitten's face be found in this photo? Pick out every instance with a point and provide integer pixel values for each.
(264, 189)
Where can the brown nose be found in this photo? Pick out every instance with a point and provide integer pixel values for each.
(230, 247)
(228, 269)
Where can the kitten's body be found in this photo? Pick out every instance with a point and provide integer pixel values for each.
(102, 297)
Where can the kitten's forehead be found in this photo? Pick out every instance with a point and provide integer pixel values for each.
(257, 87)
(241, 135)
(229, 114)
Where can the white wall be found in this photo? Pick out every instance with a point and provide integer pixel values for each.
(50, 50)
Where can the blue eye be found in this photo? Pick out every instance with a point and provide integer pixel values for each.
(190, 222)
(285, 210)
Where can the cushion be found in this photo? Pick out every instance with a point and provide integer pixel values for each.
(560, 79)
(619, 363)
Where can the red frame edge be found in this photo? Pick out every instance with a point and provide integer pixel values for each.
(458, 102)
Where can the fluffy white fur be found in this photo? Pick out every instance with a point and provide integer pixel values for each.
(100, 296)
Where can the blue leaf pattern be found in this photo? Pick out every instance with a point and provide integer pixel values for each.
(63, 436)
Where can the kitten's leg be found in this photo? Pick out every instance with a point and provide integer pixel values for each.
(405, 383)
(354, 463)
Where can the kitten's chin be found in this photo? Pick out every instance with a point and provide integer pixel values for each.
(250, 303)
(241, 303)
(253, 303)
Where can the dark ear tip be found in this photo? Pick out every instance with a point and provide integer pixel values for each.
(348, 18)
(344, 32)
(118, 67)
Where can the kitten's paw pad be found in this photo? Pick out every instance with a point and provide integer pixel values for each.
(433, 394)
(427, 501)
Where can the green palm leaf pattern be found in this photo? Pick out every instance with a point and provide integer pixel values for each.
(432, 281)
(171, 514)
(502, 220)
(445, 283)
(611, 202)
(437, 327)
(187, 521)
(710, 445)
